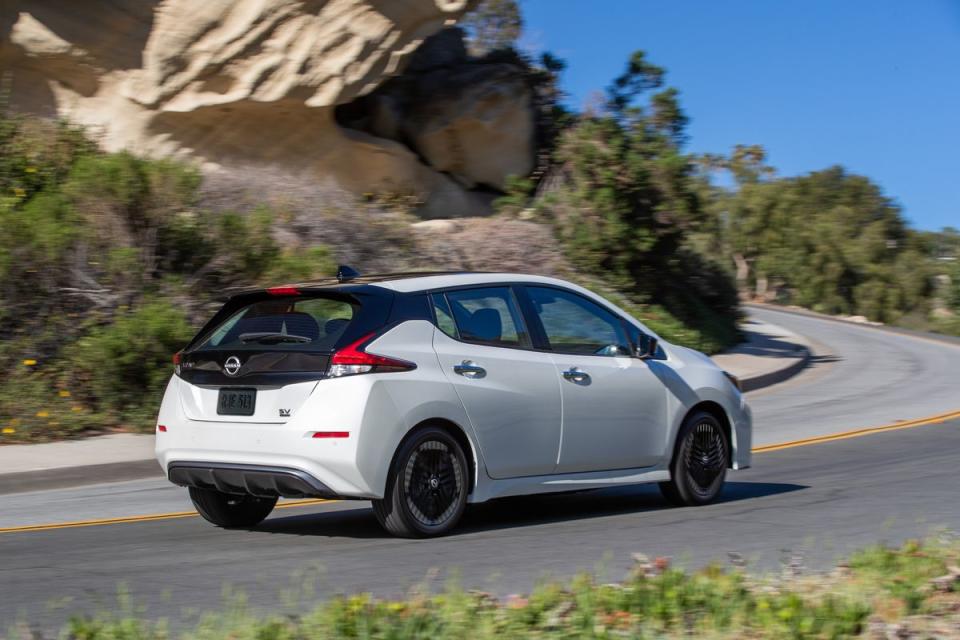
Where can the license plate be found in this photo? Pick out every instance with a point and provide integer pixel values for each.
(236, 402)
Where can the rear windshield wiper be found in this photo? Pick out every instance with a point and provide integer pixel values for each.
(269, 337)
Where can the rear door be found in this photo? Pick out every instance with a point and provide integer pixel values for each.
(614, 407)
(510, 392)
(261, 362)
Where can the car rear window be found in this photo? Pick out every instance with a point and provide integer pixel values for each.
(311, 323)
(488, 316)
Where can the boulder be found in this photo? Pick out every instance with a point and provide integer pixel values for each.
(228, 83)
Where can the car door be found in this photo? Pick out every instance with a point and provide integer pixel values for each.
(511, 393)
(614, 407)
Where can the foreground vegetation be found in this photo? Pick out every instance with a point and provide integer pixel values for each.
(881, 592)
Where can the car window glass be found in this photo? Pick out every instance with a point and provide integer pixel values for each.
(286, 323)
(488, 316)
(444, 318)
(576, 325)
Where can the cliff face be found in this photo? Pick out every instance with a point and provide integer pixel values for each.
(252, 82)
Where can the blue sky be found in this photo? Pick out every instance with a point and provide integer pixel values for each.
(873, 85)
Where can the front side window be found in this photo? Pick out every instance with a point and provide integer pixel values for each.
(578, 326)
(314, 323)
(487, 316)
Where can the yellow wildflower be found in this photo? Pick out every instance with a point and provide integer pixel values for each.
(64, 393)
(17, 191)
(9, 430)
(31, 169)
(76, 407)
(43, 414)
(29, 362)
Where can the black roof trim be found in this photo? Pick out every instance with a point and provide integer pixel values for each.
(397, 275)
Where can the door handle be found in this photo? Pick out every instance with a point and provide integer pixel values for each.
(469, 369)
(573, 374)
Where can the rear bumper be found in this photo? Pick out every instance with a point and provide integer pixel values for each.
(354, 466)
(256, 480)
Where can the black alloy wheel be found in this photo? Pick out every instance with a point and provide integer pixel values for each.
(427, 488)
(699, 467)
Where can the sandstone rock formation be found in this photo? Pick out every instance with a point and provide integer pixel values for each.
(232, 83)
(468, 118)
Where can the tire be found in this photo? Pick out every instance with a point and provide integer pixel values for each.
(427, 488)
(231, 511)
(699, 466)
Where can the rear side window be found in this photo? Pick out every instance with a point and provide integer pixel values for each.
(576, 325)
(444, 316)
(314, 323)
(487, 316)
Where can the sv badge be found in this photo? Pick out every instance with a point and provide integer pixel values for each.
(284, 413)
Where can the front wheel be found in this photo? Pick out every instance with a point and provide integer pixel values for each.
(229, 510)
(427, 488)
(699, 467)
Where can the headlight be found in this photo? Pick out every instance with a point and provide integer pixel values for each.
(735, 380)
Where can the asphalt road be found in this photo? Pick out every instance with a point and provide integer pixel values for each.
(819, 501)
(858, 377)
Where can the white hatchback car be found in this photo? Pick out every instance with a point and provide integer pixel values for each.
(423, 392)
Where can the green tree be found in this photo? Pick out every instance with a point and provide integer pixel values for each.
(829, 240)
(627, 200)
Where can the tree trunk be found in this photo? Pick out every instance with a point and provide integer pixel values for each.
(743, 272)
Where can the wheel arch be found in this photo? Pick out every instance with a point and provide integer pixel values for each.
(717, 411)
(457, 433)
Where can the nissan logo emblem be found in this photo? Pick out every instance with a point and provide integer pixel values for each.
(231, 366)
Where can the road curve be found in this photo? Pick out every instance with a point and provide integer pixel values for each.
(859, 376)
(824, 499)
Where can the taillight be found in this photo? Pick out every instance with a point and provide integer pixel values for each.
(353, 359)
(283, 291)
(177, 359)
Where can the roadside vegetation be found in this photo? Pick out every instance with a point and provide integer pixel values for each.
(880, 592)
(107, 266)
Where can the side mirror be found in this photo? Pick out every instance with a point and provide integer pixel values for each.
(646, 347)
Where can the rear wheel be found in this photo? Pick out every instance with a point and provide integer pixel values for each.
(699, 467)
(427, 488)
(229, 510)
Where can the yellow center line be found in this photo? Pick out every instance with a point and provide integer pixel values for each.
(843, 435)
(857, 433)
(145, 518)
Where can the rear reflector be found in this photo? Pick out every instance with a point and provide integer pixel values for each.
(330, 434)
(178, 357)
(283, 291)
(161, 428)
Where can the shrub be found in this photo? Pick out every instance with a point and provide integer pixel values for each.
(121, 369)
(311, 263)
(880, 589)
